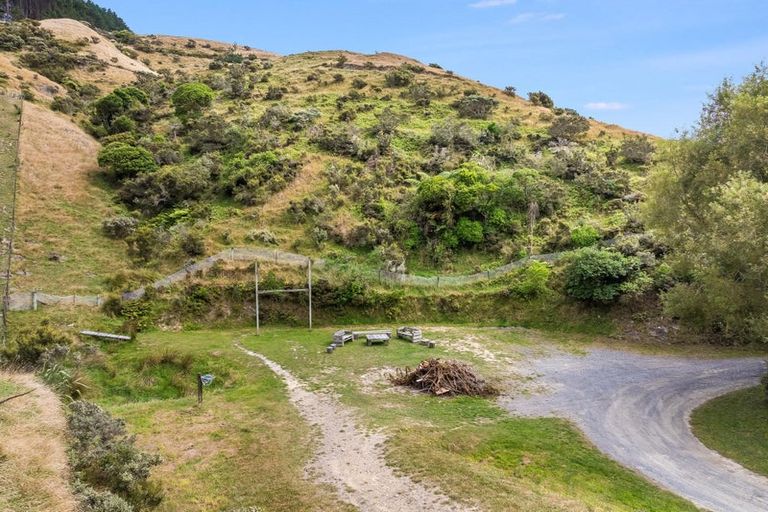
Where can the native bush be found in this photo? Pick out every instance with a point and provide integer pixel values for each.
(475, 106)
(121, 161)
(29, 345)
(400, 77)
(570, 126)
(531, 281)
(607, 183)
(598, 276)
(118, 227)
(584, 236)
(191, 99)
(638, 149)
(540, 99)
(250, 179)
(154, 192)
(469, 232)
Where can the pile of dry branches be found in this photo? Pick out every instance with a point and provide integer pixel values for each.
(441, 377)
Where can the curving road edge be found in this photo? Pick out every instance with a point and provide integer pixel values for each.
(636, 409)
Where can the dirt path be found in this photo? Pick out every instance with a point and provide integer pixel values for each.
(636, 409)
(352, 460)
(34, 474)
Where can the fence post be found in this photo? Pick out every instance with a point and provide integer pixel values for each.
(34, 301)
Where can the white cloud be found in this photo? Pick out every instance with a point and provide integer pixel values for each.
(486, 4)
(525, 17)
(606, 105)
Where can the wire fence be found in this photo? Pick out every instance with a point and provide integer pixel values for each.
(234, 254)
(10, 130)
(27, 301)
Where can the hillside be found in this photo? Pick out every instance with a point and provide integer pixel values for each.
(375, 160)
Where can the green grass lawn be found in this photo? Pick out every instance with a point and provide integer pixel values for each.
(246, 445)
(736, 425)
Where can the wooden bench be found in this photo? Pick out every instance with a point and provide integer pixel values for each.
(414, 335)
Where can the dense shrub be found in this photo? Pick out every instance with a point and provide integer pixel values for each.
(600, 276)
(475, 106)
(123, 161)
(638, 149)
(251, 179)
(455, 135)
(191, 242)
(401, 77)
(570, 126)
(469, 232)
(569, 161)
(118, 227)
(29, 345)
(104, 456)
(607, 183)
(540, 99)
(191, 99)
(584, 236)
(531, 280)
(146, 243)
(154, 192)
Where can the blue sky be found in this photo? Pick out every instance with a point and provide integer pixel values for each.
(644, 64)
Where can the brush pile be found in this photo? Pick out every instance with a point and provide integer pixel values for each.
(443, 377)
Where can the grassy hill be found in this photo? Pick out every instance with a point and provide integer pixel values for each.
(371, 160)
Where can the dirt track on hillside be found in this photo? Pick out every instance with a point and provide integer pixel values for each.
(352, 460)
(636, 409)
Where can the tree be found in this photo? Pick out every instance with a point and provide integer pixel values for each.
(191, 99)
(123, 161)
(708, 202)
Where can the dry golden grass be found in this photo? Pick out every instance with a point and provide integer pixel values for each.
(60, 208)
(34, 475)
(103, 48)
(42, 87)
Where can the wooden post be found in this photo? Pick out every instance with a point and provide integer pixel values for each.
(309, 280)
(199, 388)
(34, 301)
(256, 282)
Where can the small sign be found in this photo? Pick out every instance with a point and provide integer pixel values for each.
(206, 379)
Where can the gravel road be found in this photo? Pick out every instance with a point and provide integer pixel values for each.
(636, 409)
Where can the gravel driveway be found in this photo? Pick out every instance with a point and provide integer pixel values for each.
(636, 409)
